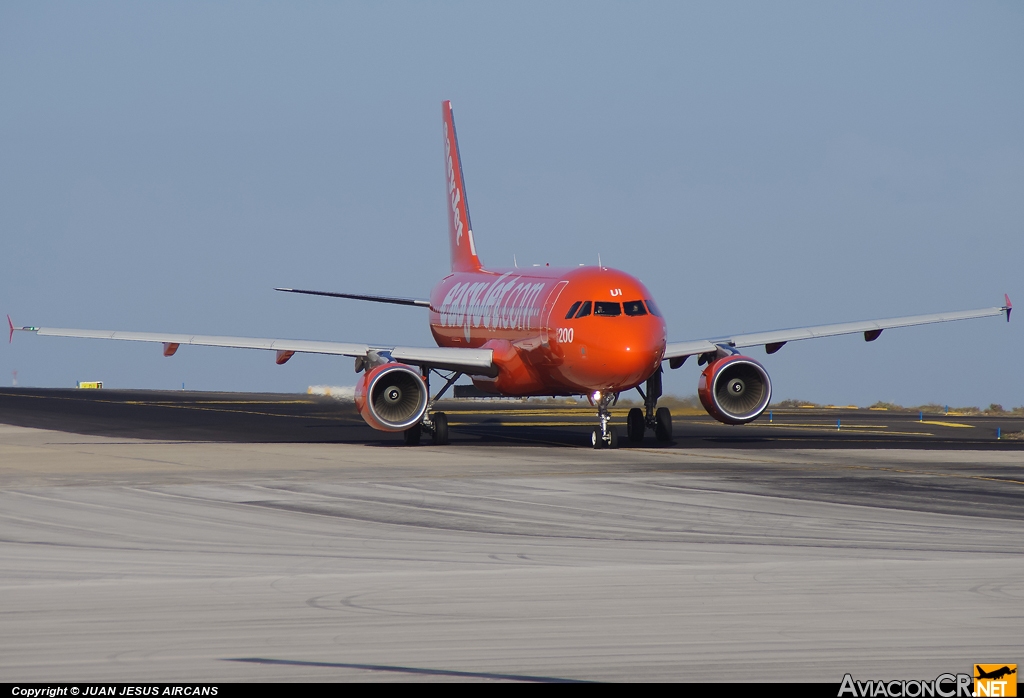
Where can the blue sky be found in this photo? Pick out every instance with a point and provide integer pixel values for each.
(757, 165)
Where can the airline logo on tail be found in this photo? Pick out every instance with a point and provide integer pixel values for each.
(459, 226)
(454, 191)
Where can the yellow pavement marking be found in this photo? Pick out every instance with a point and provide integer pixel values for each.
(162, 403)
(175, 403)
(564, 412)
(865, 430)
(888, 433)
(220, 409)
(254, 402)
(537, 412)
(528, 424)
(948, 424)
(824, 425)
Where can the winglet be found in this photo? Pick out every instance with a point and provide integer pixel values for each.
(12, 329)
(1008, 307)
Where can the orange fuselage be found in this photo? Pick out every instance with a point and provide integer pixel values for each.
(612, 340)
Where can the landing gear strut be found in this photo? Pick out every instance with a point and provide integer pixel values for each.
(434, 423)
(659, 419)
(604, 436)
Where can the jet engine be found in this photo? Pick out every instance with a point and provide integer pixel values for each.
(734, 389)
(391, 397)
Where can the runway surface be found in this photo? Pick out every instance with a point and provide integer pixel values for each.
(201, 554)
(275, 417)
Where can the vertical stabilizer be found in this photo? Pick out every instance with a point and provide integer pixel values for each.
(460, 230)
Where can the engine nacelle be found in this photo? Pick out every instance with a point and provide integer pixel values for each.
(391, 397)
(734, 389)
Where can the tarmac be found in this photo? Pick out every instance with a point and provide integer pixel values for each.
(193, 537)
(303, 418)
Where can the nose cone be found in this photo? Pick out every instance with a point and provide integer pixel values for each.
(633, 361)
(619, 360)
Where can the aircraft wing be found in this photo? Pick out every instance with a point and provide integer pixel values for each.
(773, 340)
(471, 361)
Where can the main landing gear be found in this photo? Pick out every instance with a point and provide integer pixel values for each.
(434, 424)
(658, 419)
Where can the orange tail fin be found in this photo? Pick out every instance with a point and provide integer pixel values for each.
(460, 230)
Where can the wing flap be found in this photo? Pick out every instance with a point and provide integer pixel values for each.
(444, 356)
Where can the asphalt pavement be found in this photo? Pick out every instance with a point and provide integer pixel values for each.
(303, 418)
(194, 537)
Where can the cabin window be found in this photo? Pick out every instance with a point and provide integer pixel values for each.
(652, 308)
(584, 309)
(607, 309)
(634, 308)
(572, 311)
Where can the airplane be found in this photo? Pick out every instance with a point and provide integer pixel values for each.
(996, 674)
(538, 331)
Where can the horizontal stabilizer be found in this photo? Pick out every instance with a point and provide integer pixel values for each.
(361, 297)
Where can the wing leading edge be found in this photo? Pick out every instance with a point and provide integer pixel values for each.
(775, 339)
(470, 361)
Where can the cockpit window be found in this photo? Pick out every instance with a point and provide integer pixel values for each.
(584, 309)
(653, 308)
(634, 308)
(607, 309)
(572, 311)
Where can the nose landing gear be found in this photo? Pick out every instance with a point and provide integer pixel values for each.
(604, 436)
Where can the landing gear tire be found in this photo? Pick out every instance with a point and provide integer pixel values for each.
(440, 421)
(635, 425)
(597, 442)
(663, 424)
(412, 435)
